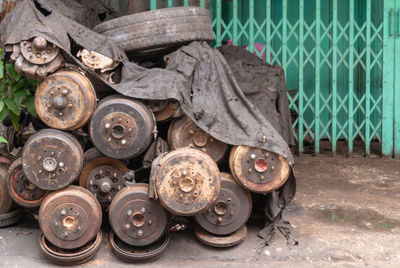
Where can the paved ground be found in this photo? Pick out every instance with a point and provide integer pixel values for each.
(346, 213)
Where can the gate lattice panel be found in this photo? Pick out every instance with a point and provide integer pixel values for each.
(332, 53)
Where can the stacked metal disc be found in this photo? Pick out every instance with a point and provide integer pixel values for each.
(129, 172)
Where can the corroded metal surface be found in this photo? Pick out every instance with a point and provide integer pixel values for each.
(258, 170)
(5, 199)
(91, 154)
(103, 177)
(70, 257)
(65, 100)
(35, 59)
(221, 241)
(187, 182)
(52, 159)
(22, 190)
(230, 211)
(136, 219)
(96, 61)
(134, 254)
(166, 112)
(121, 127)
(70, 218)
(185, 133)
(155, 105)
(39, 51)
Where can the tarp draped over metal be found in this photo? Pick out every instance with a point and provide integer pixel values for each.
(196, 76)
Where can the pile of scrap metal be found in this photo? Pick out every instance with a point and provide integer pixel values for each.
(139, 118)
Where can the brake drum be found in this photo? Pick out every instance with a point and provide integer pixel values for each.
(221, 241)
(103, 177)
(22, 190)
(258, 170)
(65, 100)
(230, 211)
(165, 113)
(187, 181)
(134, 254)
(5, 199)
(52, 159)
(121, 127)
(136, 219)
(185, 133)
(70, 218)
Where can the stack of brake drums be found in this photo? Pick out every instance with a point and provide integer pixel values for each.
(87, 163)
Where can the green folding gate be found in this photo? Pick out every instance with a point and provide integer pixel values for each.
(339, 59)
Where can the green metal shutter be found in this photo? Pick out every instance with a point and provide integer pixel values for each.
(339, 64)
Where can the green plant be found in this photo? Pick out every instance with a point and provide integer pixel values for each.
(15, 92)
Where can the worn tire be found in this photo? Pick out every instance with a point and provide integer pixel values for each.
(10, 218)
(158, 30)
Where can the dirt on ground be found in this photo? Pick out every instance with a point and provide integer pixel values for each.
(346, 214)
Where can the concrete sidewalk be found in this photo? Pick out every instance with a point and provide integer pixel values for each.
(346, 213)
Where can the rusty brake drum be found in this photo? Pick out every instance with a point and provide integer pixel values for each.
(103, 177)
(65, 100)
(258, 170)
(163, 110)
(221, 241)
(5, 199)
(187, 181)
(121, 127)
(136, 219)
(22, 190)
(52, 159)
(134, 254)
(70, 256)
(185, 133)
(230, 211)
(70, 218)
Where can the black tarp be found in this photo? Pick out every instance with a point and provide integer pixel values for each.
(196, 76)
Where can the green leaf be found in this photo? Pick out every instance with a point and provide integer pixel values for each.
(15, 120)
(1, 69)
(3, 140)
(3, 113)
(19, 97)
(33, 83)
(1, 104)
(12, 106)
(11, 71)
(30, 105)
(18, 85)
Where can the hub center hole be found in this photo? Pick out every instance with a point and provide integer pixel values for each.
(220, 208)
(138, 219)
(260, 165)
(118, 131)
(186, 184)
(29, 185)
(70, 222)
(200, 139)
